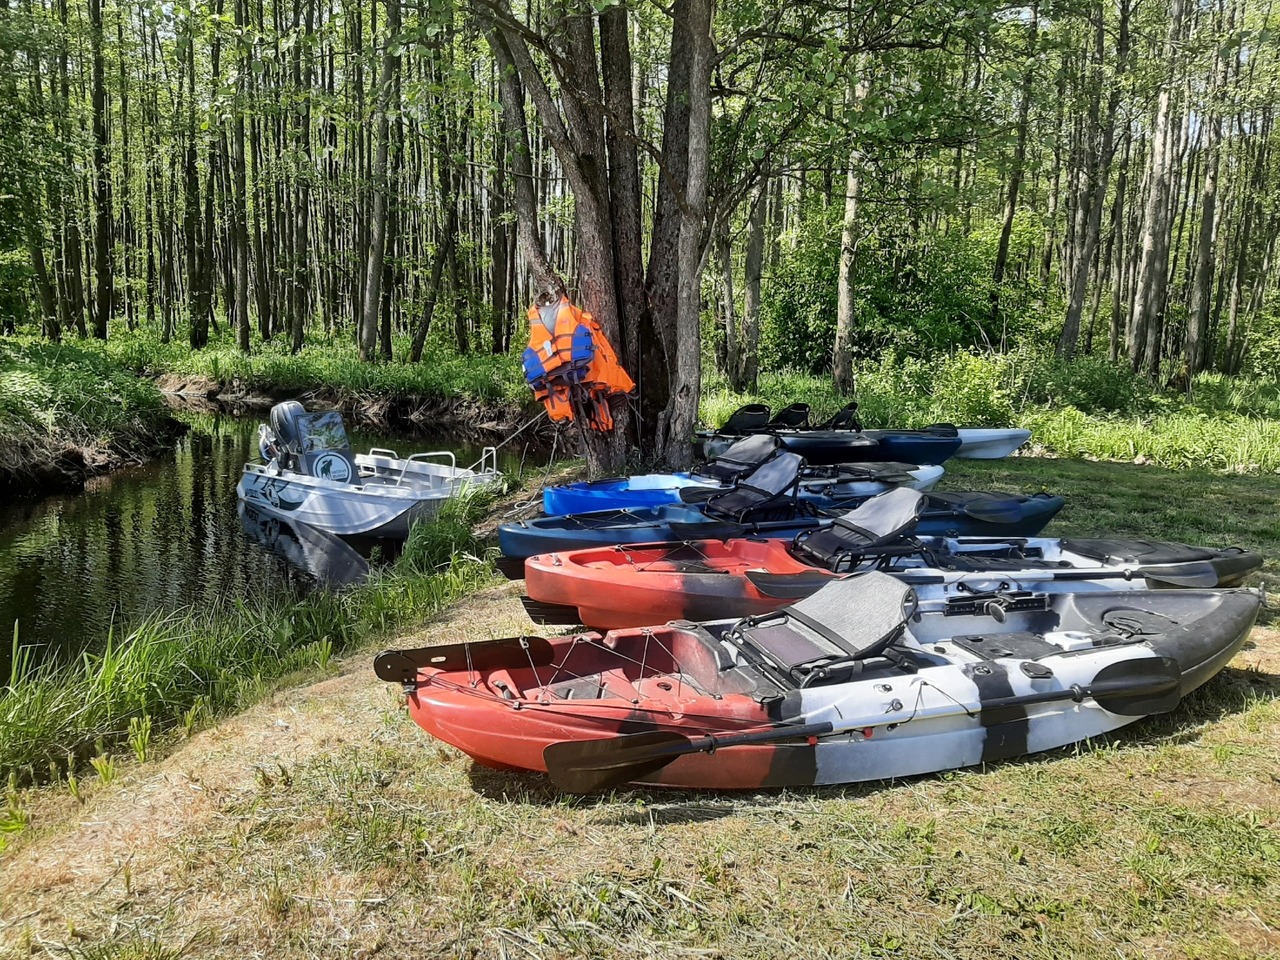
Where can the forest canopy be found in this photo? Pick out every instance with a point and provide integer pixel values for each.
(753, 185)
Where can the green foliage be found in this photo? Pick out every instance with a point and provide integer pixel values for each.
(66, 394)
(1086, 407)
(918, 297)
(332, 363)
(449, 537)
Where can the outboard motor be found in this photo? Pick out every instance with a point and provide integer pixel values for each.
(313, 443)
(285, 420)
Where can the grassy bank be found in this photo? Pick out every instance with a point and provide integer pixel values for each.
(331, 365)
(324, 823)
(182, 668)
(67, 412)
(1086, 408)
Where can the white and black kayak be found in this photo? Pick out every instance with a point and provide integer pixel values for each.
(861, 681)
(311, 476)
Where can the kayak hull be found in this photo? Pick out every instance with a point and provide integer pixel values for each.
(630, 586)
(947, 515)
(951, 707)
(657, 489)
(982, 443)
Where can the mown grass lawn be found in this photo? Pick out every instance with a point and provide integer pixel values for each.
(325, 824)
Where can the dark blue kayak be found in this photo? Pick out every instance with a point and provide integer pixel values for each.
(931, 445)
(946, 515)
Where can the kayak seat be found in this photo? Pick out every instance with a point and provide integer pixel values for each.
(768, 492)
(878, 523)
(746, 418)
(1138, 551)
(832, 633)
(740, 459)
(794, 416)
(846, 418)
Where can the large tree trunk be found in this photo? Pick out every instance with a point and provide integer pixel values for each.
(683, 407)
(381, 189)
(102, 269)
(1153, 266)
(624, 178)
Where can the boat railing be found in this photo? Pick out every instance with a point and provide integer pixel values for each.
(488, 462)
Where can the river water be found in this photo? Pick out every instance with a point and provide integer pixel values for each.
(161, 537)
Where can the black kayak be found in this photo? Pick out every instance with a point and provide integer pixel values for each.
(839, 440)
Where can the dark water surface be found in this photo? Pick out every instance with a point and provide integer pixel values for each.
(164, 536)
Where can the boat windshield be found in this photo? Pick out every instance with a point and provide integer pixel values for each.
(322, 431)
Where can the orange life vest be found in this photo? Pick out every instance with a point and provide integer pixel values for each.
(571, 365)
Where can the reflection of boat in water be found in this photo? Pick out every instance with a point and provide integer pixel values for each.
(312, 477)
(317, 553)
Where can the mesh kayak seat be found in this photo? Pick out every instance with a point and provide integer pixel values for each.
(881, 522)
(796, 415)
(768, 492)
(740, 459)
(746, 418)
(846, 418)
(835, 631)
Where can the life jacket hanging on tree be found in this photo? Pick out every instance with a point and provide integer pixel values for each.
(571, 365)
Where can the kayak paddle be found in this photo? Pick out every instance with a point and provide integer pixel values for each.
(1134, 688)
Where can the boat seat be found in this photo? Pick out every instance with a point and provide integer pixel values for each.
(751, 416)
(834, 630)
(740, 459)
(795, 416)
(768, 492)
(878, 523)
(846, 418)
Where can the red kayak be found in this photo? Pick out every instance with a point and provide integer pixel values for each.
(635, 584)
(628, 585)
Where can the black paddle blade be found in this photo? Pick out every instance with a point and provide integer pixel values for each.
(510, 567)
(787, 586)
(402, 666)
(551, 614)
(1196, 574)
(1138, 688)
(588, 766)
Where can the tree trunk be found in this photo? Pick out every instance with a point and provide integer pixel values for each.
(842, 355)
(1153, 266)
(381, 189)
(1016, 173)
(744, 377)
(683, 405)
(102, 268)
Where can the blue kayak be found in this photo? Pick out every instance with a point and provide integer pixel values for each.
(946, 515)
(851, 481)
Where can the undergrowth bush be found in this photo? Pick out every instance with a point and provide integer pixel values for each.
(1085, 407)
(54, 393)
(332, 363)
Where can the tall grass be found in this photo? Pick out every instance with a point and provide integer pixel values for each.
(1084, 408)
(55, 716)
(332, 364)
(59, 395)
